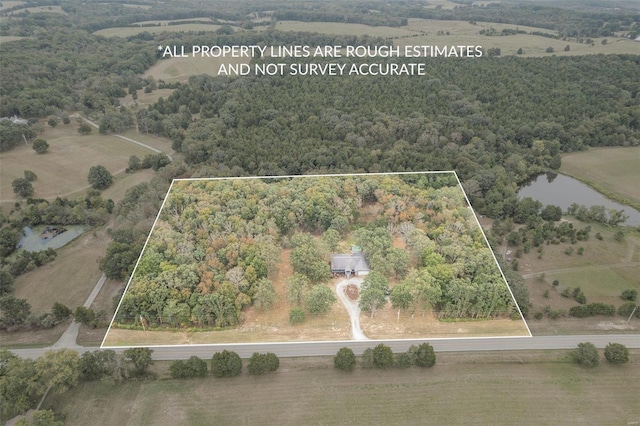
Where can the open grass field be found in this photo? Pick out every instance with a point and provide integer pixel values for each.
(146, 99)
(63, 169)
(612, 171)
(9, 4)
(7, 39)
(539, 388)
(180, 69)
(167, 22)
(69, 279)
(131, 31)
(425, 32)
(39, 9)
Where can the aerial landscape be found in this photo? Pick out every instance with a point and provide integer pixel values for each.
(359, 212)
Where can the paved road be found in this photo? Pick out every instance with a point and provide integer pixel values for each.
(352, 308)
(330, 348)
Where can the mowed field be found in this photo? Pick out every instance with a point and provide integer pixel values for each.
(425, 32)
(131, 31)
(612, 171)
(540, 388)
(180, 69)
(63, 169)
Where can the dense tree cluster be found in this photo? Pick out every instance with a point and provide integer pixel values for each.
(216, 244)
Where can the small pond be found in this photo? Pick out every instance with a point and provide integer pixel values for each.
(561, 190)
(42, 237)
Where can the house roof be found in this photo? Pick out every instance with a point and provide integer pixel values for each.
(348, 262)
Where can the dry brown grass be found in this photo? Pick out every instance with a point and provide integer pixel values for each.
(533, 387)
(63, 169)
(69, 279)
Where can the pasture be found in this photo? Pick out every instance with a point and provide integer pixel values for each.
(62, 170)
(539, 387)
(180, 69)
(39, 9)
(454, 33)
(9, 4)
(131, 31)
(612, 171)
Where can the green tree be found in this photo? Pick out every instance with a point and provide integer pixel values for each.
(99, 177)
(296, 315)
(40, 146)
(98, 364)
(345, 359)
(6, 282)
(22, 187)
(20, 385)
(266, 296)
(141, 359)
(60, 312)
(40, 418)
(297, 287)
(629, 294)
(367, 359)
(616, 353)
(134, 163)
(226, 364)
(84, 128)
(320, 299)
(193, 367)
(263, 363)
(382, 356)
(426, 356)
(14, 311)
(586, 354)
(59, 369)
(85, 316)
(52, 122)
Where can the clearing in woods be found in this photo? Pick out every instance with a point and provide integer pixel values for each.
(460, 388)
(62, 171)
(612, 171)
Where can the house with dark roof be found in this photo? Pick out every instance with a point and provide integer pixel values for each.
(350, 264)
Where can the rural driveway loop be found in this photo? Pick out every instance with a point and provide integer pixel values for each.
(352, 307)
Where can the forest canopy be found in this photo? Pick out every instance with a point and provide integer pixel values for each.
(216, 241)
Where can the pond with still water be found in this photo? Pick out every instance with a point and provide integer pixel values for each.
(562, 191)
(43, 237)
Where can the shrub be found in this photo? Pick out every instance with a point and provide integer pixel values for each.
(426, 356)
(296, 316)
(616, 353)
(382, 356)
(263, 363)
(226, 364)
(367, 359)
(40, 146)
(193, 367)
(30, 176)
(626, 309)
(586, 354)
(631, 295)
(345, 359)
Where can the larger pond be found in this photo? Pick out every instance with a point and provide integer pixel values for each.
(561, 190)
(43, 237)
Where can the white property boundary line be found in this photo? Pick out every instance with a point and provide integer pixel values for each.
(102, 345)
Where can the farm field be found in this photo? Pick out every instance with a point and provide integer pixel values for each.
(63, 169)
(10, 4)
(464, 33)
(180, 69)
(39, 9)
(131, 31)
(310, 391)
(612, 171)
